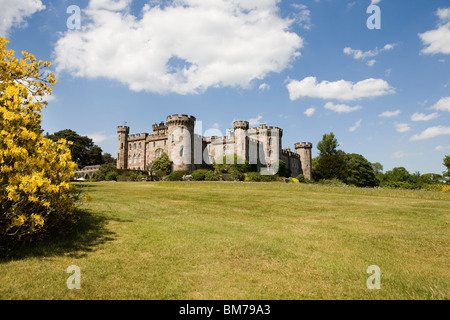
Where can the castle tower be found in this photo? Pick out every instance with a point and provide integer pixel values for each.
(304, 150)
(180, 133)
(122, 147)
(240, 136)
(274, 146)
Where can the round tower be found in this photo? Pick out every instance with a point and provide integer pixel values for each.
(304, 151)
(180, 135)
(122, 147)
(240, 138)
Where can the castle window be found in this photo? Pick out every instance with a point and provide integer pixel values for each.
(181, 151)
(271, 155)
(121, 145)
(182, 129)
(135, 146)
(139, 158)
(140, 146)
(173, 138)
(129, 158)
(130, 146)
(154, 144)
(134, 158)
(270, 141)
(158, 153)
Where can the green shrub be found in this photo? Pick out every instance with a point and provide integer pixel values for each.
(111, 176)
(301, 178)
(175, 176)
(199, 175)
(258, 177)
(237, 175)
(211, 176)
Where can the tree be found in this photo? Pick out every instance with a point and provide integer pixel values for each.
(84, 151)
(36, 196)
(447, 165)
(377, 168)
(107, 158)
(161, 166)
(233, 164)
(360, 171)
(328, 145)
(331, 166)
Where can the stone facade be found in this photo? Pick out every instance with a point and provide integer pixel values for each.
(189, 151)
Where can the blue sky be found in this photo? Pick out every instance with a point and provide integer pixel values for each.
(310, 67)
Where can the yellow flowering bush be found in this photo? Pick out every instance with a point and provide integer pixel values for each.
(35, 173)
(446, 189)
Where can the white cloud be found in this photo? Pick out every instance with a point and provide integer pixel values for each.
(401, 154)
(442, 105)
(264, 86)
(362, 55)
(375, 1)
(310, 111)
(255, 121)
(442, 148)
(402, 127)
(371, 63)
(438, 40)
(389, 114)
(423, 117)
(184, 47)
(14, 12)
(303, 16)
(99, 137)
(431, 133)
(340, 90)
(341, 108)
(356, 126)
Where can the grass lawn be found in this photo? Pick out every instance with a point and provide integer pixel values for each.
(218, 240)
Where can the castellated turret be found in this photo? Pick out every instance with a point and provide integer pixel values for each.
(180, 133)
(122, 147)
(304, 151)
(240, 136)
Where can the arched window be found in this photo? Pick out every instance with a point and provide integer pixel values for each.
(140, 146)
(129, 158)
(158, 153)
(135, 146)
(134, 158)
(270, 141)
(271, 155)
(129, 147)
(139, 158)
(181, 151)
(173, 138)
(182, 129)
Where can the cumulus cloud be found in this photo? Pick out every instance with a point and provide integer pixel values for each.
(438, 40)
(264, 86)
(14, 12)
(184, 47)
(254, 122)
(442, 105)
(424, 117)
(402, 127)
(310, 112)
(389, 114)
(431, 133)
(341, 108)
(339, 90)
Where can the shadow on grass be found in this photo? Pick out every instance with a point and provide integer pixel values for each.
(85, 236)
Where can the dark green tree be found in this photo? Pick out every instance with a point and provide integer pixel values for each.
(360, 172)
(231, 163)
(328, 145)
(84, 151)
(377, 168)
(331, 166)
(447, 165)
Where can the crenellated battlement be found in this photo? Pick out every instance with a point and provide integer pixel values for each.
(123, 129)
(241, 125)
(184, 119)
(303, 145)
(138, 136)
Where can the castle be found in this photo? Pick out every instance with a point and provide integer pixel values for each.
(189, 151)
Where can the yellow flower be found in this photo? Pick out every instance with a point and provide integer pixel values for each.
(19, 220)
